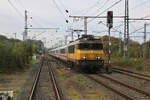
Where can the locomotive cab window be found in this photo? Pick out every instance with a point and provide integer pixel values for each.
(71, 49)
(90, 46)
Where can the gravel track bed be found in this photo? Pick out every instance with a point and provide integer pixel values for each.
(44, 89)
(77, 86)
(138, 83)
(135, 95)
(25, 90)
(132, 69)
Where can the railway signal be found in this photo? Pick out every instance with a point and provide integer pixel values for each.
(110, 19)
(91, 17)
(110, 25)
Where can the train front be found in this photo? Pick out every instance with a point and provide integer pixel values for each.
(90, 55)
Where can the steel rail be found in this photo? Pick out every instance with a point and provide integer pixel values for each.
(35, 83)
(130, 74)
(148, 76)
(112, 89)
(125, 85)
(55, 86)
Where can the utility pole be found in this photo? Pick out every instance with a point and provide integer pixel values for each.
(72, 38)
(85, 25)
(25, 27)
(110, 25)
(126, 29)
(144, 53)
(120, 42)
(109, 48)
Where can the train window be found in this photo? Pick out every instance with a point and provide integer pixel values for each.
(71, 49)
(84, 46)
(97, 46)
(57, 51)
(90, 46)
(62, 51)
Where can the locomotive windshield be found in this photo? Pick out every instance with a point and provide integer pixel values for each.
(90, 46)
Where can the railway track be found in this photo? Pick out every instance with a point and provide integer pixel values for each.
(120, 88)
(148, 76)
(38, 81)
(55, 86)
(132, 74)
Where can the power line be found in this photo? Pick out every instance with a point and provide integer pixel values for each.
(65, 8)
(91, 7)
(19, 1)
(139, 29)
(94, 5)
(34, 21)
(15, 8)
(112, 28)
(23, 7)
(87, 9)
(102, 5)
(106, 9)
(60, 10)
(139, 5)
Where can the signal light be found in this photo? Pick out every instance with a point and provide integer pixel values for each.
(67, 11)
(67, 21)
(110, 19)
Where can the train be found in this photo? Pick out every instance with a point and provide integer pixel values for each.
(85, 53)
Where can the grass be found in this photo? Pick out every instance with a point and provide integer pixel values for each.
(133, 63)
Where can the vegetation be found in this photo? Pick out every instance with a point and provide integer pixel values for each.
(135, 49)
(135, 57)
(15, 54)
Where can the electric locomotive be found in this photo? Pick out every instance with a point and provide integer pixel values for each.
(85, 53)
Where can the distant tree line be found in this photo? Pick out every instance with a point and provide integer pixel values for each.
(136, 50)
(15, 54)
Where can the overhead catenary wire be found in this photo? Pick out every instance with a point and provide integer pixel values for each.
(106, 10)
(21, 4)
(64, 7)
(87, 9)
(15, 8)
(24, 8)
(34, 21)
(139, 29)
(135, 21)
(112, 28)
(102, 5)
(114, 4)
(139, 5)
(91, 7)
(61, 12)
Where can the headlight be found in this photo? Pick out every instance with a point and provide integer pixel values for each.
(84, 57)
(98, 58)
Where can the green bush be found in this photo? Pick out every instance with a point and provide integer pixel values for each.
(15, 54)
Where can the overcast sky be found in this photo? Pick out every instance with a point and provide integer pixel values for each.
(51, 13)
